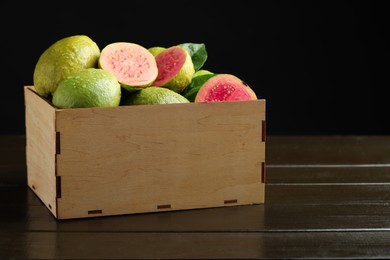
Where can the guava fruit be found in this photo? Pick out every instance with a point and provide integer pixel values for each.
(132, 64)
(154, 95)
(199, 78)
(63, 58)
(92, 87)
(202, 72)
(224, 87)
(156, 50)
(197, 51)
(175, 69)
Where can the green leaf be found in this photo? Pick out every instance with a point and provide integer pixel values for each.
(197, 52)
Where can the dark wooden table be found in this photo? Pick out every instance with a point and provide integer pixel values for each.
(326, 197)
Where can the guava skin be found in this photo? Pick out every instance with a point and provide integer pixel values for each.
(63, 58)
(91, 87)
(154, 95)
(224, 87)
(156, 50)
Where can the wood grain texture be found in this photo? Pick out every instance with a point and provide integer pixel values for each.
(329, 194)
(146, 158)
(41, 148)
(328, 150)
(316, 207)
(340, 174)
(149, 158)
(25, 207)
(235, 245)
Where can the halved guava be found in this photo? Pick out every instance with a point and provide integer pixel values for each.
(199, 78)
(175, 69)
(224, 87)
(132, 64)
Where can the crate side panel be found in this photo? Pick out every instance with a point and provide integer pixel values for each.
(40, 148)
(92, 198)
(160, 157)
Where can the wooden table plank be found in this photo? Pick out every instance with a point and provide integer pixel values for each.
(326, 197)
(290, 214)
(13, 160)
(121, 245)
(280, 150)
(327, 150)
(278, 174)
(241, 219)
(328, 194)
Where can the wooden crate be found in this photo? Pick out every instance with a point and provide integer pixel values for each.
(89, 162)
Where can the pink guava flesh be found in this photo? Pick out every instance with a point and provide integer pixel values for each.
(169, 63)
(132, 64)
(224, 87)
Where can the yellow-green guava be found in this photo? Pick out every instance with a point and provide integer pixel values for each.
(63, 58)
(92, 87)
(154, 95)
(156, 50)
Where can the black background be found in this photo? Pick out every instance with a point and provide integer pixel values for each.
(322, 66)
